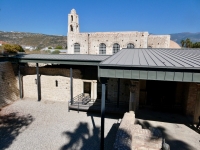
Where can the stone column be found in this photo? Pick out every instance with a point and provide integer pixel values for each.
(95, 89)
(92, 90)
(197, 105)
(134, 96)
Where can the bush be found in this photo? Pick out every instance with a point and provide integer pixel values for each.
(55, 52)
(58, 47)
(12, 48)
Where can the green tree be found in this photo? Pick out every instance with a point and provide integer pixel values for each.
(188, 43)
(182, 43)
(55, 52)
(49, 47)
(58, 47)
(196, 45)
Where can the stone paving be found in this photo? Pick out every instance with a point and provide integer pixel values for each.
(31, 125)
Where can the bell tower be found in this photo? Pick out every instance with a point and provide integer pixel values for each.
(73, 22)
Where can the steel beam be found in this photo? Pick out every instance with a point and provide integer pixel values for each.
(38, 82)
(71, 85)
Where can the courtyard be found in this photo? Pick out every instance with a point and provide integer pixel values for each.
(29, 124)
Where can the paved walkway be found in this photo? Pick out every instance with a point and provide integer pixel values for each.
(31, 125)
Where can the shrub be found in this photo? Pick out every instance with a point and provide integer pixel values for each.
(12, 48)
(55, 52)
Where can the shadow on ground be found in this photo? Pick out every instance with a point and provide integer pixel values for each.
(82, 139)
(148, 114)
(11, 126)
(174, 143)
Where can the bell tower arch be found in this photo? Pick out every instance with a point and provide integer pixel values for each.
(73, 22)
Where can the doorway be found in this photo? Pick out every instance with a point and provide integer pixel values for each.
(87, 88)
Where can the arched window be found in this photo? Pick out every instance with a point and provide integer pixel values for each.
(71, 28)
(71, 18)
(130, 45)
(102, 48)
(76, 48)
(116, 48)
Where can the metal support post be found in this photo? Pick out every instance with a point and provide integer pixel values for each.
(38, 82)
(20, 82)
(71, 85)
(102, 114)
(118, 93)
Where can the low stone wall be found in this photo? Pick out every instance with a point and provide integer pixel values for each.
(49, 90)
(131, 136)
(9, 90)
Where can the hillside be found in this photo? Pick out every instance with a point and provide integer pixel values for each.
(43, 40)
(177, 37)
(33, 39)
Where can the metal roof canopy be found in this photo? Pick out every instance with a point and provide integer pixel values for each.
(153, 64)
(71, 59)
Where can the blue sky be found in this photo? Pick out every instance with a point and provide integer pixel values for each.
(50, 16)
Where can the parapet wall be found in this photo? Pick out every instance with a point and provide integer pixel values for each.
(9, 90)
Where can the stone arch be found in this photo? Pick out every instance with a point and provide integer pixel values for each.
(130, 45)
(102, 48)
(71, 28)
(71, 18)
(116, 48)
(77, 48)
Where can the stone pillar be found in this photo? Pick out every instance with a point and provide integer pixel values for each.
(95, 89)
(92, 90)
(197, 105)
(134, 96)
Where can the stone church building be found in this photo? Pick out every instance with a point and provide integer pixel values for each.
(108, 43)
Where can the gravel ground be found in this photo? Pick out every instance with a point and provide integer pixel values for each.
(31, 125)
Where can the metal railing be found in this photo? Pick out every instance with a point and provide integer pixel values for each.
(85, 102)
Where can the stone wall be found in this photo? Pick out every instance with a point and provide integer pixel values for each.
(51, 71)
(80, 38)
(113, 90)
(49, 90)
(191, 99)
(139, 39)
(49, 77)
(159, 41)
(9, 91)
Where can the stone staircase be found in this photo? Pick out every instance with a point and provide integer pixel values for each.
(131, 136)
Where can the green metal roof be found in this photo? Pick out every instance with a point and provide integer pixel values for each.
(153, 64)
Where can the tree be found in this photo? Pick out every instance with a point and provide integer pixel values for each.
(182, 43)
(188, 43)
(196, 45)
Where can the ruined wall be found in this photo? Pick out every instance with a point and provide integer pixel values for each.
(139, 39)
(159, 41)
(9, 91)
